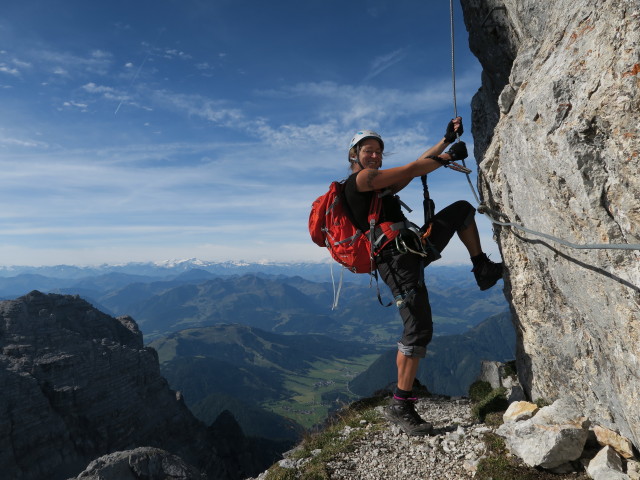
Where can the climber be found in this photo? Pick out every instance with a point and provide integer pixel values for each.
(402, 269)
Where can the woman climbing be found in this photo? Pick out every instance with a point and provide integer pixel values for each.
(401, 263)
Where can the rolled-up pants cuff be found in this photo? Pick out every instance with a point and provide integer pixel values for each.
(414, 351)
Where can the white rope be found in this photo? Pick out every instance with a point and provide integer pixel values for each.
(336, 292)
(484, 209)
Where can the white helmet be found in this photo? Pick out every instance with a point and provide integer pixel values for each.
(363, 135)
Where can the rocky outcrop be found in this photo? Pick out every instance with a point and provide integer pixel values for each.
(140, 464)
(78, 384)
(555, 128)
(558, 438)
(554, 436)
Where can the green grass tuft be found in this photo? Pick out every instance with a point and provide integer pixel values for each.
(510, 369)
(479, 390)
(494, 402)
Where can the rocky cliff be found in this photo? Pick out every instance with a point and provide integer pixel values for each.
(555, 127)
(78, 384)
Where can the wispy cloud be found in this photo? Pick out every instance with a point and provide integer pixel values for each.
(4, 68)
(96, 62)
(19, 142)
(73, 104)
(213, 110)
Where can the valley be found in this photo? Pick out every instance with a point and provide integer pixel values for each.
(263, 342)
(324, 388)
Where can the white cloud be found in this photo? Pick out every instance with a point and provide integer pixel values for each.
(354, 107)
(21, 143)
(73, 104)
(174, 53)
(101, 54)
(107, 92)
(8, 70)
(60, 71)
(21, 64)
(97, 62)
(93, 88)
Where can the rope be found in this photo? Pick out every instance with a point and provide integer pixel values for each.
(455, 102)
(453, 62)
(482, 208)
(336, 292)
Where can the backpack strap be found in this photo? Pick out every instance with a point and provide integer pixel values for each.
(379, 236)
(374, 215)
(374, 274)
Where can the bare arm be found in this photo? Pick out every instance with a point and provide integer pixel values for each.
(399, 177)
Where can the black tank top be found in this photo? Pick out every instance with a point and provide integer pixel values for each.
(360, 202)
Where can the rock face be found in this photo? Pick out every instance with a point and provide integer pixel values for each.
(78, 384)
(140, 464)
(555, 128)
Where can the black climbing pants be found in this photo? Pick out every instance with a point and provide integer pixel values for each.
(403, 272)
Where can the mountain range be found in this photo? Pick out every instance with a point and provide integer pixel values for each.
(263, 342)
(289, 299)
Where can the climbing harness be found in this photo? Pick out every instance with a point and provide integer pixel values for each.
(492, 214)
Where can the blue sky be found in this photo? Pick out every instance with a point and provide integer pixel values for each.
(153, 130)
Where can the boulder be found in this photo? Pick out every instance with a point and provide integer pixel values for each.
(606, 465)
(612, 439)
(553, 437)
(144, 463)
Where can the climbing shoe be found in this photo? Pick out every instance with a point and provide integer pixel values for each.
(487, 273)
(403, 414)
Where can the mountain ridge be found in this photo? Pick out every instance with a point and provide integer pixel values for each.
(78, 384)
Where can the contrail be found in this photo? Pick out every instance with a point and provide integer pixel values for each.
(133, 80)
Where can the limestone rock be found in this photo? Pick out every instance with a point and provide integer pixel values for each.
(518, 411)
(553, 437)
(633, 470)
(606, 465)
(495, 374)
(610, 438)
(490, 373)
(140, 464)
(555, 128)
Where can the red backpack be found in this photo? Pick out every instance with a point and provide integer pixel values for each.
(330, 226)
